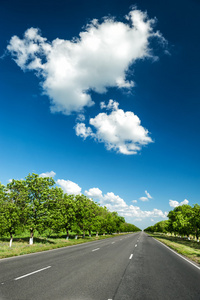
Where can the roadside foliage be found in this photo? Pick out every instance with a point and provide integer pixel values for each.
(183, 221)
(36, 204)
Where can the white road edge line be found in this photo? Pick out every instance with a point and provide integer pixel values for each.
(178, 254)
(96, 249)
(32, 273)
(131, 256)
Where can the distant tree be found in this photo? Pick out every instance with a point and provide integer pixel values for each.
(118, 221)
(110, 223)
(84, 214)
(161, 227)
(62, 211)
(94, 217)
(149, 229)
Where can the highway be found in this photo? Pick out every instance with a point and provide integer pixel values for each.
(133, 266)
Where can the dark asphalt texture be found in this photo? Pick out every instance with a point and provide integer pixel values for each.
(127, 267)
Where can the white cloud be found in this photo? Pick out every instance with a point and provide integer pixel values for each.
(184, 202)
(115, 203)
(108, 199)
(48, 174)
(80, 118)
(94, 193)
(134, 201)
(148, 195)
(174, 203)
(112, 105)
(97, 60)
(144, 199)
(119, 130)
(69, 187)
(83, 131)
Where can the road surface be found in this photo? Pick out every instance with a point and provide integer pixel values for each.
(133, 266)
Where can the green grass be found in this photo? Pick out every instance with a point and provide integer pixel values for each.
(20, 246)
(190, 249)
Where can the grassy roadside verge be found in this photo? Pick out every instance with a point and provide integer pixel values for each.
(20, 246)
(190, 249)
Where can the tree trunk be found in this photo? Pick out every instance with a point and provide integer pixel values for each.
(31, 237)
(97, 234)
(67, 237)
(197, 236)
(11, 239)
(83, 234)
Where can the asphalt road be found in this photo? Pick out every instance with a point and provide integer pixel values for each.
(133, 266)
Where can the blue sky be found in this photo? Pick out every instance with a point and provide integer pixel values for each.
(105, 97)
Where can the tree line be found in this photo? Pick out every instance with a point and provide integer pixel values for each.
(36, 204)
(183, 221)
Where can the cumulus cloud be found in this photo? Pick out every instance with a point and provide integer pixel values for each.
(174, 203)
(69, 187)
(94, 193)
(118, 130)
(48, 174)
(116, 203)
(83, 131)
(144, 199)
(96, 60)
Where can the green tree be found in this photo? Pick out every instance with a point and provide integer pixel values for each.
(62, 211)
(3, 219)
(84, 214)
(195, 220)
(118, 221)
(180, 219)
(9, 213)
(18, 194)
(109, 222)
(39, 193)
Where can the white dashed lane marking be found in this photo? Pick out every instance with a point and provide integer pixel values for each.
(29, 274)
